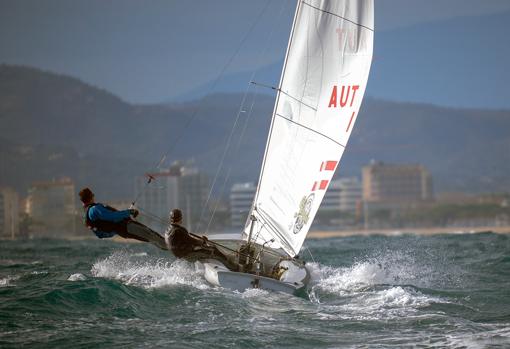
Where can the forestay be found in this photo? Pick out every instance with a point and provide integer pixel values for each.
(322, 85)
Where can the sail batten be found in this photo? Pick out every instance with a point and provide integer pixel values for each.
(320, 92)
(310, 129)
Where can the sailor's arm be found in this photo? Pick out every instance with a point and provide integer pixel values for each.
(103, 213)
(199, 240)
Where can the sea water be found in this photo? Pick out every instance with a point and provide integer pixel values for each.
(450, 291)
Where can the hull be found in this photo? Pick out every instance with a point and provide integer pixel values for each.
(292, 281)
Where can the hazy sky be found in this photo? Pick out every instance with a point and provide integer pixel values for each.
(150, 51)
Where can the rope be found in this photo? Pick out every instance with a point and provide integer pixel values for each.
(310, 252)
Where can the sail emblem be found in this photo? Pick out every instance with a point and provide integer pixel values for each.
(303, 215)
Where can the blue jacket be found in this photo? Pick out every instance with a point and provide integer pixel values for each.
(100, 213)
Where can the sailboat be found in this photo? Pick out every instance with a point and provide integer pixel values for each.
(322, 84)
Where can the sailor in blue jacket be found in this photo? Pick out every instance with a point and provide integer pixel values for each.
(106, 221)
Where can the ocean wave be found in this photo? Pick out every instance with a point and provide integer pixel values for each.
(382, 286)
(375, 271)
(405, 266)
(493, 336)
(391, 303)
(141, 270)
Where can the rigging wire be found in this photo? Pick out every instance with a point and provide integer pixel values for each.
(199, 106)
(227, 177)
(310, 253)
(250, 113)
(167, 221)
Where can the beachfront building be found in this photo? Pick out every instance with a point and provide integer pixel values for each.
(387, 182)
(180, 186)
(341, 203)
(51, 207)
(241, 198)
(389, 190)
(9, 213)
(343, 195)
(351, 194)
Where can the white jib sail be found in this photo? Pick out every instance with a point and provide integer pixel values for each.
(322, 85)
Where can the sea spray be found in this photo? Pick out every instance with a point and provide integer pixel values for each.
(141, 270)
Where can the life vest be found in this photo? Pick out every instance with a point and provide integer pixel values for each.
(100, 225)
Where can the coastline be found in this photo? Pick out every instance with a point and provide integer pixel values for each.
(324, 234)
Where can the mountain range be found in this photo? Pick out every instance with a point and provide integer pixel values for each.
(53, 126)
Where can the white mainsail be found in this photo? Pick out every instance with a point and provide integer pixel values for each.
(322, 85)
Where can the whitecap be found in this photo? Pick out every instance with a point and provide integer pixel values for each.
(7, 281)
(77, 277)
(390, 303)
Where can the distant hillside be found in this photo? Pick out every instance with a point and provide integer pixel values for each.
(54, 125)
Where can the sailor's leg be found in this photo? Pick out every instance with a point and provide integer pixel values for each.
(122, 232)
(222, 258)
(206, 252)
(141, 232)
(127, 235)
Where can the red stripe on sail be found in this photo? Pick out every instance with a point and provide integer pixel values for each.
(323, 185)
(322, 166)
(314, 186)
(331, 165)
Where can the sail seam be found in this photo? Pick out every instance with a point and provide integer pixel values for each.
(297, 100)
(310, 129)
(334, 14)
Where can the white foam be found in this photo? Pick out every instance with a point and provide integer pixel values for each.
(77, 277)
(145, 272)
(7, 281)
(254, 293)
(391, 303)
(377, 287)
(392, 268)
